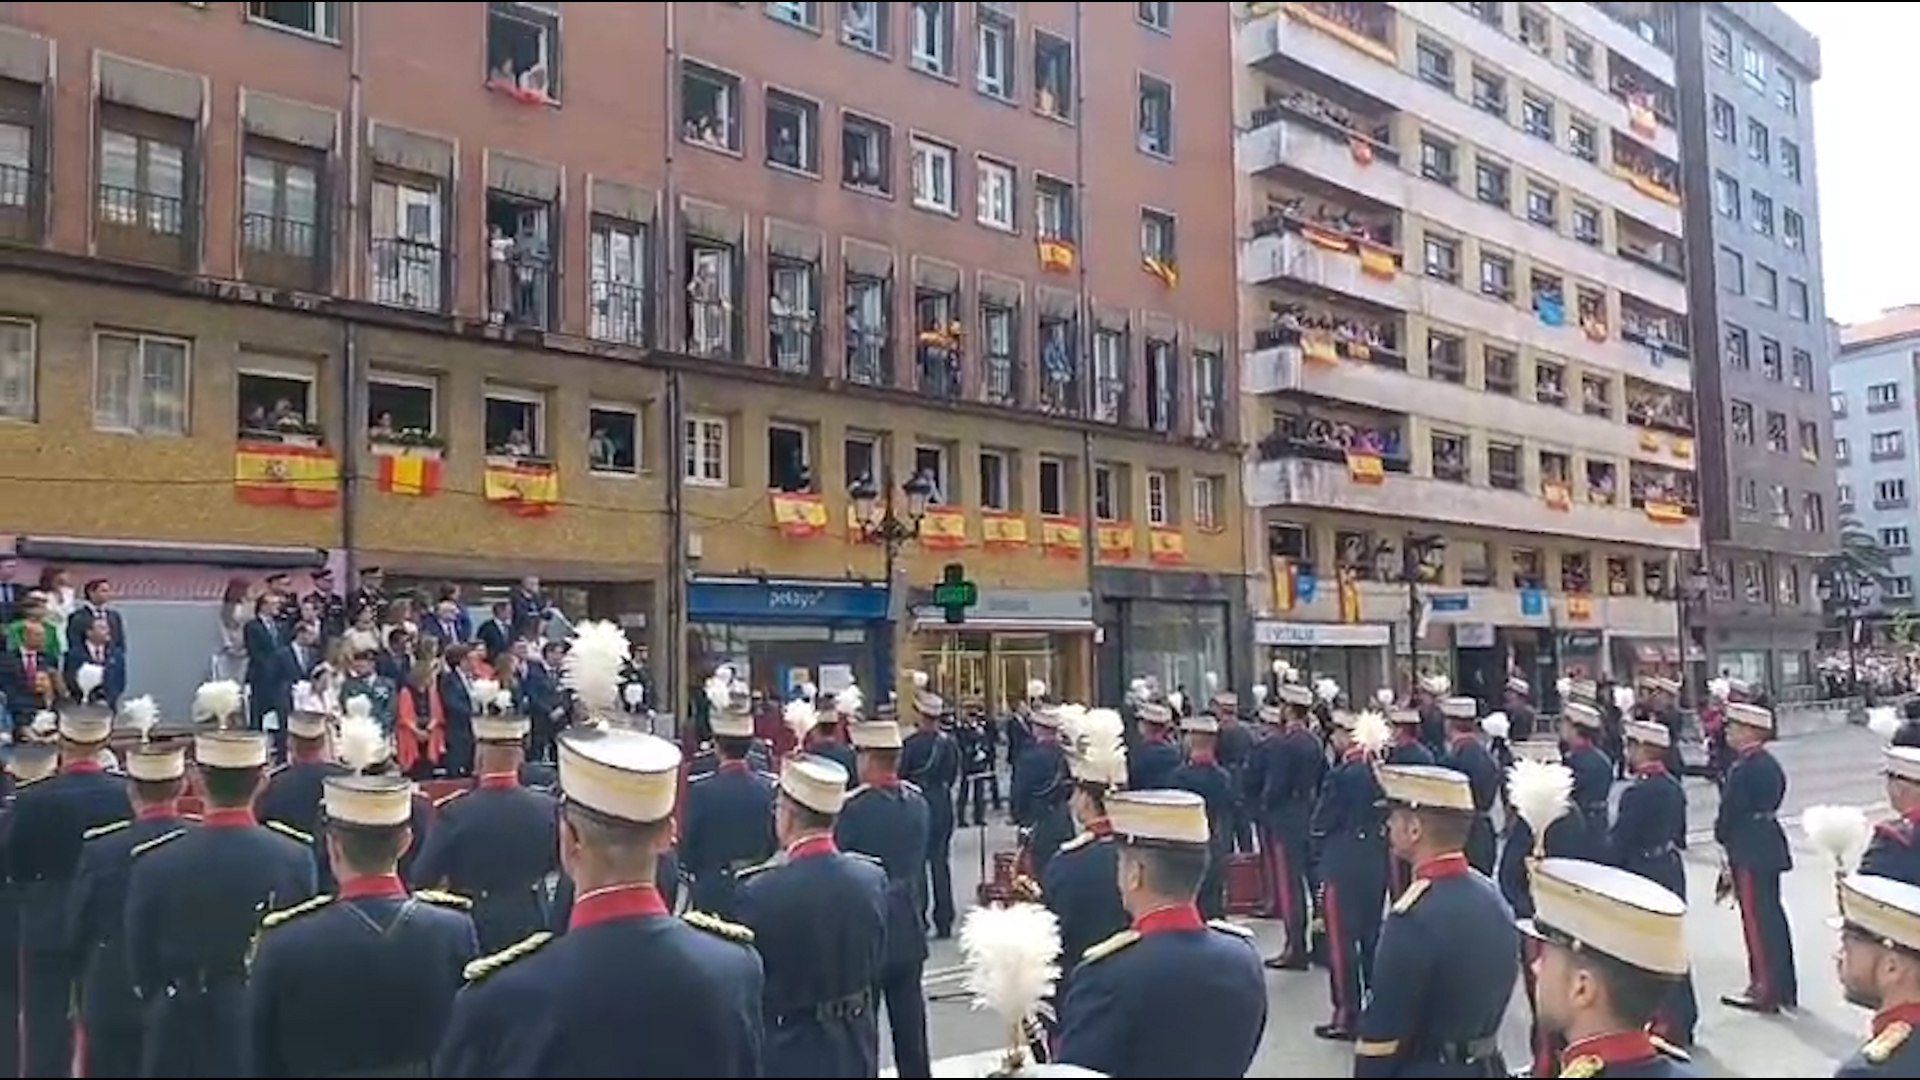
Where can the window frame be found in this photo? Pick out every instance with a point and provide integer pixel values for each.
(693, 458)
(141, 339)
(633, 414)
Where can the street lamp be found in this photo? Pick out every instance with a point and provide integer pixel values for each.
(1851, 590)
(881, 523)
(1414, 551)
(1691, 593)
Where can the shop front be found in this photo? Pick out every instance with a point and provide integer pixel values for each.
(1353, 655)
(1010, 637)
(782, 633)
(1176, 627)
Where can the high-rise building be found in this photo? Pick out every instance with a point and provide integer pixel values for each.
(1874, 402)
(1759, 324)
(1468, 375)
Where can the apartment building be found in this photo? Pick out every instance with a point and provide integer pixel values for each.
(684, 307)
(1468, 383)
(1762, 354)
(1876, 442)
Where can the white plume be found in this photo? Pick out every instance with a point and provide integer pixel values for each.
(850, 701)
(1563, 686)
(1623, 698)
(141, 714)
(1137, 691)
(596, 661)
(218, 701)
(1036, 689)
(1437, 685)
(1371, 731)
(88, 679)
(1883, 721)
(361, 743)
(633, 694)
(1541, 793)
(1496, 725)
(724, 671)
(809, 691)
(1259, 693)
(920, 679)
(1720, 688)
(1070, 714)
(503, 701)
(1097, 739)
(1177, 701)
(1840, 832)
(1284, 671)
(800, 717)
(1211, 680)
(719, 689)
(306, 700)
(45, 722)
(484, 693)
(1384, 696)
(1012, 956)
(1326, 689)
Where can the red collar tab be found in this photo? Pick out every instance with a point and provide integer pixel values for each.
(84, 765)
(1897, 1014)
(1100, 826)
(733, 766)
(808, 847)
(373, 886)
(1442, 866)
(1355, 754)
(1168, 919)
(1749, 751)
(228, 817)
(1652, 768)
(495, 781)
(883, 780)
(157, 812)
(616, 902)
(1619, 1048)
(1460, 737)
(1202, 757)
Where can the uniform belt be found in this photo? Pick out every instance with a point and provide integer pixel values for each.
(840, 1008)
(1761, 815)
(1470, 1052)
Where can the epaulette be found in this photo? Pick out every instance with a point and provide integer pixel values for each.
(1881, 1048)
(449, 797)
(864, 857)
(487, 965)
(1077, 843)
(744, 874)
(287, 915)
(444, 899)
(1412, 896)
(860, 790)
(1110, 946)
(714, 924)
(289, 831)
(145, 846)
(1667, 1049)
(771, 778)
(693, 779)
(913, 787)
(277, 770)
(105, 830)
(195, 818)
(1584, 1066)
(1233, 928)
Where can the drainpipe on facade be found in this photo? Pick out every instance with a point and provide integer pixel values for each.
(666, 327)
(352, 386)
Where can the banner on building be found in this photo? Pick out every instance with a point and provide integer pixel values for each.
(799, 515)
(1001, 531)
(276, 474)
(526, 490)
(1062, 537)
(408, 474)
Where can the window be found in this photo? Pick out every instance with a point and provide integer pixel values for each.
(1536, 116)
(523, 50)
(1798, 301)
(280, 218)
(1158, 238)
(1156, 117)
(1053, 209)
(1208, 387)
(1842, 450)
(1533, 30)
(704, 454)
(1442, 258)
(860, 456)
(788, 466)
(1449, 453)
(1503, 466)
(1496, 275)
(1437, 159)
(1732, 271)
(1720, 44)
(1886, 444)
(1060, 365)
(1446, 357)
(938, 337)
(930, 464)
(1895, 536)
(1813, 512)
(19, 366)
(1163, 384)
(1580, 57)
(1810, 440)
(407, 262)
(994, 481)
(1793, 230)
(1762, 213)
(1502, 367)
(1786, 94)
(143, 189)
(1884, 395)
(995, 194)
(1753, 66)
(869, 331)
(1740, 416)
(1790, 160)
(1759, 142)
(999, 338)
(1106, 494)
(864, 26)
(1583, 138)
(932, 29)
(1053, 487)
(1844, 494)
(1770, 359)
(1159, 499)
(402, 410)
(792, 313)
(1889, 491)
(1489, 91)
(933, 176)
(1542, 205)
(520, 279)
(274, 399)
(1726, 196)
(710, 291)
(792, 13)
(1837, 403)
(17, 173)
(1766, 286)
(1738, 357)
(1053, 85)
(617, 257)
(515, 423)
(613, 439)
(1724, 119)
(709, 107)
(1492, 183)
(793, 132)
(1777, 432)
(1206, 503)
(320, 20)
(140, 384)
(993, 53)
(1586, 224)
(1157, 15)
(1434, 62)
(866, 155)
(1109, 376)
(1802, 370)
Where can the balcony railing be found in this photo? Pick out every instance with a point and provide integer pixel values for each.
(19, 189)
(520, 290)
(791, 343)
(270, 234)
(1060, 394)
(1000, 384)
(867, 357)
(939, 371)
(619, 312)
(131, 208)
(1308, 441)
(407, 273)
(1209, 419)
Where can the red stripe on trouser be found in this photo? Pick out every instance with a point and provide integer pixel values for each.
(1338, 957)
(1283, 891)
(1269, 869)
(79, 1046)
(1759, 977)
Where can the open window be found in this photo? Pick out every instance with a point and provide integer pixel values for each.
(1053, 486)
(1053, 76)
(860, 454)
(319, 20)
(276, 401)
(939, 341)
(789, 461)
(930, 463)
(869, 330)
(516, 424)
(523, 51)
(519, 261)
(793, 314)
(613, 439)
(280, 226)
(709, 107)
(403, 411)
(620, 250)
(866, 155)
(710, 306)
(407, 260)
(793, 132)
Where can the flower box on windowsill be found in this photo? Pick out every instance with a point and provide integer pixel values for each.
(391, 448)
(284, 438)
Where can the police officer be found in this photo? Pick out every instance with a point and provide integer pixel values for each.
(1155, 757)
(1082, 882)
(1202, 774)
(1350, 841)
(1894, 851)
(1467, 755)
(29, 764)
(1172, 995)
(1879, 966)
(1448, 955)
(1748, 829)
(110, 1014)
(496, 843)
(293, 791)
(1613, 946)
(1649, 834)
(47, 829)
(819, 919)
(727, 825)
(930, 760)
(628, 990)
(887, 818)
(194, 898)
(359, 983)
(1288, 765)
(1581, 726)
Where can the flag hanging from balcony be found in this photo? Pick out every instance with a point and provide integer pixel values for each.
(1062, 537)
(1002, 531)
(943, 529)
(1378, 262)
(1349, 596)
(1114, 540)
(408, 474)
(1318, 347)
(1580, 608)
(1056, 256)
(1682, 447)
(1326, 238)
(276, 474)
(1161, 270)
(1166, 547)
(525, 489)
(1365, 467)
(1285, 594)
(1666, 513)
(1557, 496)
(1641, 118)
(799, 515)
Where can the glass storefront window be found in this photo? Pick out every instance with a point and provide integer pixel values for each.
(1357, 671)
(997, 667)
(1176, 643)
(775, 659)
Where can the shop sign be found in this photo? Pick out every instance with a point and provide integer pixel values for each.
(1300, 635)
(785, 600)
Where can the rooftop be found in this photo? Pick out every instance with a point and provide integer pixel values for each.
(1892, 324)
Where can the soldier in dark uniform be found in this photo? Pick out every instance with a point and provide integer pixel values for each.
(1235, 751)
(1289, 764)
(1748, 828)
(1425, 703)
(930, 760)
(331, 605)
(730, 707)
(1660, 704)
(497, 843)
(194, 898)
(1649, 835)
(110, 1014)
(628, 990)
(1155, 757)
(29, 764)
(727, 825)
(1449, 954)
(370, 594)
(974, 738)
(1612, 946)
(1467, 755)
(1082, 882)
(1410, 747)
(1172, 995)
(1203, 775)
(1039, 795)
(1879, 969)
(46, 832)
(887, 818)
(292, 794)
(1580, 727)
(1521, 718)
(827, 738)
(1894, 851)
(1350, 843)
(1566, 838)
(359, 983)
(819, 919)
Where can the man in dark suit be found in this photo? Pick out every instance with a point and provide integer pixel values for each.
(497, 633)
(96, 647)
(266, 645)
(22, 671)
(97, 594)
(456, 702)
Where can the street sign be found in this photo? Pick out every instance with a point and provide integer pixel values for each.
(953, 594)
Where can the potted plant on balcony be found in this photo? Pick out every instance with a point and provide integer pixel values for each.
(405, 442)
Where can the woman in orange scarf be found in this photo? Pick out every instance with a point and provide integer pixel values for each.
(419, 724)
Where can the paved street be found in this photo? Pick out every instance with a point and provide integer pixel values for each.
(1836, 766)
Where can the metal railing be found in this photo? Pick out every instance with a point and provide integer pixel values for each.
(619, 312)
(939, 371)
(19, 189)
(791, 343)
(132, 208)
(867, 357)
(272, 234)
(1000, 380)
(710, 328)
(520, 290)
(408, 274)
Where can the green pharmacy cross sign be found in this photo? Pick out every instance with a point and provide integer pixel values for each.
(953, 594)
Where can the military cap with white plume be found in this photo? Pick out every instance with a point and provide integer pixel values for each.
(920, 679)
(361, 744)
(1384, 697)
(1138, 691)
(485, 694)
(1436, 684)
(140, 714)
(1012, 956)
(1177, 701)
(1096, 744)
(1036, 689)
(595, 667)
(1541, 793)
(45, 723)
(306, 700)
(1259, 693)
(1563, 686)
(1326, 689)
(1883, 721)
(801, 718)
(849, 701)
(217, 701)
(1496, 725)
(87, 681)
(719, 689)
(1371, 732)
(1623, 698)
(1284, 671)
(1841, 833)
(1720, 688)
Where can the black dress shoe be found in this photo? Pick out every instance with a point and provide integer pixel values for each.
(1287, 963)
(1332, 1033)
(1748, 1003)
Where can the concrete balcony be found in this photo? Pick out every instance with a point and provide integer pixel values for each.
(1596, 24)
(1326, 484)
(1386, 603)
(1288, 257)
(1301, 146)
(1279, 37)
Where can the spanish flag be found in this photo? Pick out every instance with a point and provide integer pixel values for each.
(1062, 537)
(799, 514)
(527, 490)
(1349, 596)
(943, 529)
(1166, 547)
(1114, 540)
(276, 474)
(1002, 531)
(1161, 270)
(407, 474)
(1285, 587)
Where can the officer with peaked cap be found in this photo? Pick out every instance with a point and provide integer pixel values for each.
(1613, 946)
(1879, 968)
(628, 990)
(1351, 841)
(819, 918)
(1649, 834)
(194, 898)
(1519, 709)
(1081, 885)
(359, 983)
(1035, 787)
(1748, 828)
(1202, 774)
(1466, 754)
(1409, 747)
(1283, 780)
(888, 819)
(730, 708)
(1172, 995)
(1894, 851)
(1448, 955)
(1155, 755)
(1581, 728)
(293, 791)
(48, 826)
(727, 825)
(496, 843)
(110, 1014)
(930, 761)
